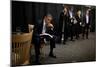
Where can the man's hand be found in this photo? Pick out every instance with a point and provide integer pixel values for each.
(50, 25)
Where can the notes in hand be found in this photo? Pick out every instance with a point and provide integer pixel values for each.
(46, 34)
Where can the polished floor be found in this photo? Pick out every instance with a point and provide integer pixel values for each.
(81, 50)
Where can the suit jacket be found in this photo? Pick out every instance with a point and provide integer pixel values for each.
(65, 19)
(38, 30)
(84, 20)
(38, 25)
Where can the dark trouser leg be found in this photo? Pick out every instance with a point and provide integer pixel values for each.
(74, 30)
(71, 33)
(52, 45)
(51, 54)
(65, 37)
(87, 31)
(76, 33)
(60, 37)
(51, 51)
(37, 49)
(83, 32)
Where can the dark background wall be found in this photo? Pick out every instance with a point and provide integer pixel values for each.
(24, 13)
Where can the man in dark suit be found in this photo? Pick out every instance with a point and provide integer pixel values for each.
(71, 27)
(63, 25)
(43, 29)
(86, 22)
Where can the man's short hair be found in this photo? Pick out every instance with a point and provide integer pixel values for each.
(49, 15)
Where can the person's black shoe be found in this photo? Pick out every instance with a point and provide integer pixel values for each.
(52, 56)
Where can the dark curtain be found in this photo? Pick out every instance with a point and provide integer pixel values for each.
(24, 13)
(21, 14)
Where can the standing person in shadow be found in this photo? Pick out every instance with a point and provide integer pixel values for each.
(78, 24)
(86, 24)
(71, 27)
(64, 25)
(43, 29)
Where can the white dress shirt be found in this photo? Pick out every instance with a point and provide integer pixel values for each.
(87, 19)
(71, 14)
(44, 27)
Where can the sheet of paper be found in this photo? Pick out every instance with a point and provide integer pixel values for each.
(46, 34)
